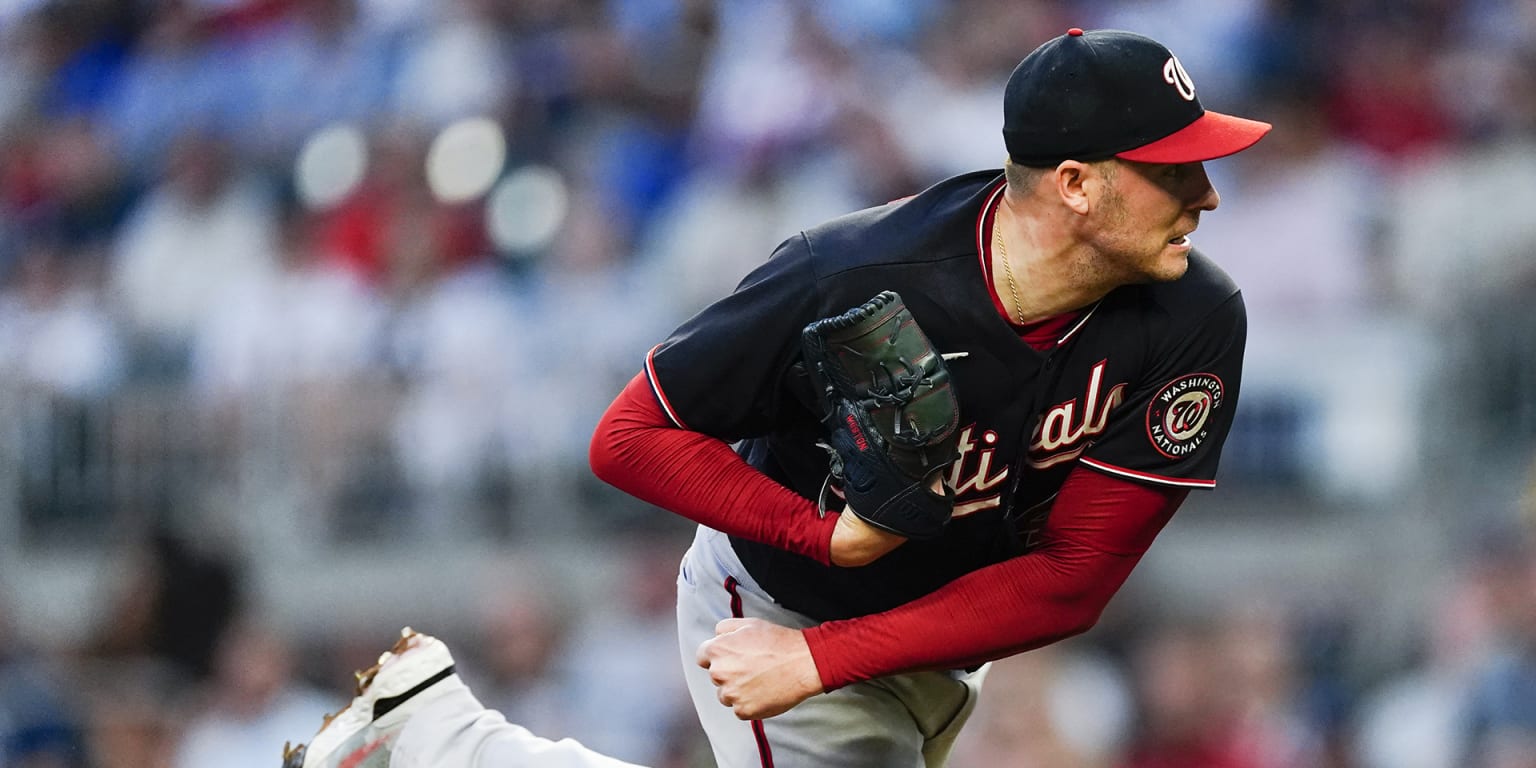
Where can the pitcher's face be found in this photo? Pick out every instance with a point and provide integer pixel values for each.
(1146, 215)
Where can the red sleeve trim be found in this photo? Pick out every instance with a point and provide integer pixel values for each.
(1178, 482)
(661, 397)
(1099, 528)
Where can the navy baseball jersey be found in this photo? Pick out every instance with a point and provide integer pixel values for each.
(1142, 385)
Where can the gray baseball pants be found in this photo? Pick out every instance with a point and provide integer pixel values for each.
(903, 721)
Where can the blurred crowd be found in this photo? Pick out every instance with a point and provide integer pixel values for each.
(369, 270)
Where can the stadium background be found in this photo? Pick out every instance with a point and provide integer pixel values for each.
(308, 307)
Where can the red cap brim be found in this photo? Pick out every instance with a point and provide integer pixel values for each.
(1210, 136)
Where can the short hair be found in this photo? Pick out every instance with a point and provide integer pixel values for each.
(1023, 177)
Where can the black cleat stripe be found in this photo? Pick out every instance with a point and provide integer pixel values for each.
(383, 707)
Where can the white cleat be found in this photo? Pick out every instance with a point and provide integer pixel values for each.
(363, 735)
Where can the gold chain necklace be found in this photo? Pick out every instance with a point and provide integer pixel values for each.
(1002, 252)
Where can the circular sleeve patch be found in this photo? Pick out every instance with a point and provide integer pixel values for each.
(1179, 416)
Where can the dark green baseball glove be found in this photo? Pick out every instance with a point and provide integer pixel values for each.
(891, 416)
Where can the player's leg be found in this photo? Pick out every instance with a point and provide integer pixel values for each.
(940, 727)
(907, 721)
(413, 711)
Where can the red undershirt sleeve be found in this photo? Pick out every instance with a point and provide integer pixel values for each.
(1099, 528)
(637, 449)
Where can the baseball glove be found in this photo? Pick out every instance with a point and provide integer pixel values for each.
(891, 416)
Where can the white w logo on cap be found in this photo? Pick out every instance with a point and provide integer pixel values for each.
(1174, 75)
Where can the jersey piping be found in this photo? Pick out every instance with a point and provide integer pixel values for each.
(984, 224)
(1145, 476)
(1082, 321)
(661, 397)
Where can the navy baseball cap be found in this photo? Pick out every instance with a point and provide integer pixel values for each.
(1108, 93)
